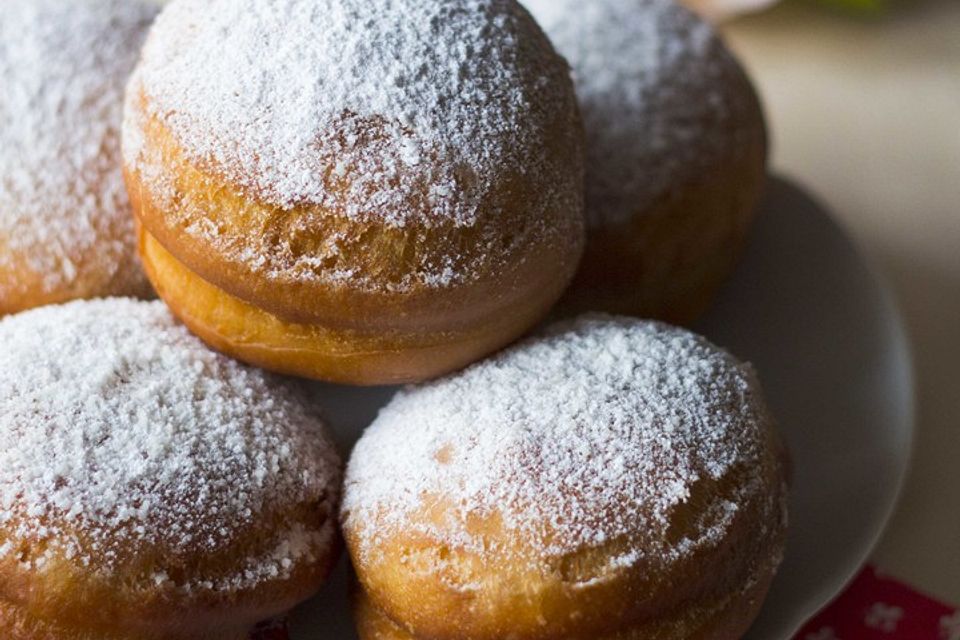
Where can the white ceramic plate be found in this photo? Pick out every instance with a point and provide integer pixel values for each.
(828, 342)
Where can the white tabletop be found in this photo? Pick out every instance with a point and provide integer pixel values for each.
(866, 114)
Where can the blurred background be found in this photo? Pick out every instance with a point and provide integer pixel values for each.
(863, 97)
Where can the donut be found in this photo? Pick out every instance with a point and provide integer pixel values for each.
(65, 225)
(356, 192)
(612, 478)
(150, 488)
(676, 155)
(373, 624)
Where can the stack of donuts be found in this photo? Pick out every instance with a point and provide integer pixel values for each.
(500, 206)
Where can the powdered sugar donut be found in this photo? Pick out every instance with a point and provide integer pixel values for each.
(676, 150)
(151, 488)
(65, 226)
(612, 479)
(355, 191)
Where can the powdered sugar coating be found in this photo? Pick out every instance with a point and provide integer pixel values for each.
(368, 107)
(63, 67)
(597, 431)
(663, 100)
(120, 433)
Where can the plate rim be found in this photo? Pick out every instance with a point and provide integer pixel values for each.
(904, 353)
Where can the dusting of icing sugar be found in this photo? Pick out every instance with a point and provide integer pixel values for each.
(393, 110)
(119, 430)
(596, 431)
(294, 546)
(657, 93)
(64, 213)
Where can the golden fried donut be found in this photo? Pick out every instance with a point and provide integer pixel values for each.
(150, 488)
(357, 193)
(65, 225)
(613, 478)
(676, 154)
(726, 619)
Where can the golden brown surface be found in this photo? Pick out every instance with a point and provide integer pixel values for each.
(669, 261)
(150, 488)
(516, 590)
(514, 265)
(251, 334)
(25, 288)
(65, 226)
(473, 508)
(64, 600)
(724, 619)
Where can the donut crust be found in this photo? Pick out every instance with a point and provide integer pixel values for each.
(65, 226)
(316, 327)
(724, 619)
(670, 261)
(23, 287)
(150, 488)
(670, 258)
(249, 333)
(441, 592)
(480, 507)
(64, 600)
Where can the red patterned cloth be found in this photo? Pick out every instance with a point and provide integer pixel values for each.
(874, 607)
